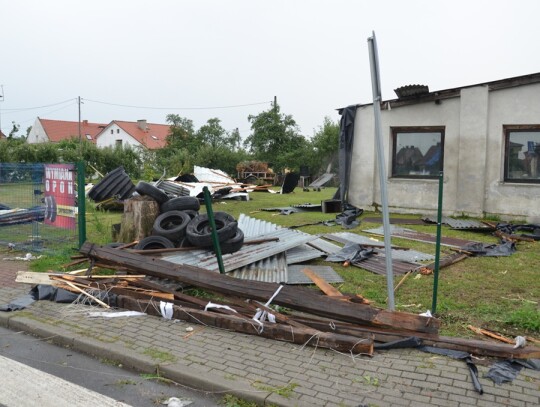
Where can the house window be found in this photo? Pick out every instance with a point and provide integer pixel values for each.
(117, 131)
(522, 153)
(417, 152)
(112, 131)
(88, 137)
(118, 143)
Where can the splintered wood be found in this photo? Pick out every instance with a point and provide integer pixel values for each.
(329, 319)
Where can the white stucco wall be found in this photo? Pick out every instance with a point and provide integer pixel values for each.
(473, 155)
(106, 139)
(37, 133)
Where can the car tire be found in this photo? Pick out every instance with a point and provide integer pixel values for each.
(181, 203)
(199, 232)
(144, 188)
(234, 244)
(171, 225)
(154, 242)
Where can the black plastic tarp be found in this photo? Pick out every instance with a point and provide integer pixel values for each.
(346, 138)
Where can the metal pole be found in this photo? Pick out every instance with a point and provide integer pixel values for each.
(80, 135)
(215, 240)
(437, 246)
(1, 100)
(81, 202)
(376, 87)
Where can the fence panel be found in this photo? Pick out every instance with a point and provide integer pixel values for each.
(38, 206)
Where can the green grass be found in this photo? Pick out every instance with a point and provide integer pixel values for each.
(499, 294)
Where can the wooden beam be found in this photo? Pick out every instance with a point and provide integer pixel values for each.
(299, 298)
(322, 283)
(286, 333)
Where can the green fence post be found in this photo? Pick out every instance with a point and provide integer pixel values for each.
(215, 240)
(437, 246)
(81, 202)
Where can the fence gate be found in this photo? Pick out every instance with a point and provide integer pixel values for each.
(39, 206)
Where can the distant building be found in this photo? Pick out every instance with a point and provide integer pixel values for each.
(53, 131)
(116, 133)
(2, 136)
(140, 133)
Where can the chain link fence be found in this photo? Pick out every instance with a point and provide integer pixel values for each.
(39, 210)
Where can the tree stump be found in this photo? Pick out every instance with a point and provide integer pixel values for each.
(139, 215)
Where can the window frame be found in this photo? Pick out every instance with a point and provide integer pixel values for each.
(414, 129)
(516, 128)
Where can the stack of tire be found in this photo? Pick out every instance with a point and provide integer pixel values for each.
(115, 184)
(179, 224)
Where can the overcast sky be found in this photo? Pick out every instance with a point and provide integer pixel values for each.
(311, 54)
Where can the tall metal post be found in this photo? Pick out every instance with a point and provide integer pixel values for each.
(376, 87)
(81, 202)
(438, 245)
(80, 134)
(215, 240)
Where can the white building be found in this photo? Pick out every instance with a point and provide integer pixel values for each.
(485, 138)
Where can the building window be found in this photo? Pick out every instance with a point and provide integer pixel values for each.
(118, 143)
(112, 131)
(417, 152)
(522, 153)
(117, 131)
(88, 137)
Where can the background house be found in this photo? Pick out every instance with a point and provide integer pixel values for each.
(116, 133)
(485, 137)
(53, 131)
(140, 133)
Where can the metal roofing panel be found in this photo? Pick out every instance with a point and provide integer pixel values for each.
(325, 246)
(420, 236)
(287, 239)
(296, 276)
(303, 253)
(323, 179)
(273, 269)
(212, 176)
(348, 237)
(459, 223)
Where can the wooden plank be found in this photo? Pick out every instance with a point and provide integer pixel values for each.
(286, 333)
(321, 283)
(32, 277)
(299, 298)
(382, 334)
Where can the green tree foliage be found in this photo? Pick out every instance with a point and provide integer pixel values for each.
(182, 134)
(325, 144)
(274, 138)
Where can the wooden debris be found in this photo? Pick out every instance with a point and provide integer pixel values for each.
(298, 298)
(301, 336)
(493, 335)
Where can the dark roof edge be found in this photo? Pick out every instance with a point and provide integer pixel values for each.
(455, 92)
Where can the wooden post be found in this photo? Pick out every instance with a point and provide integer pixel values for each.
(138, 219)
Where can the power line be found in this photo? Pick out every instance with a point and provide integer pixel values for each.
(20, 109)
(179, 108)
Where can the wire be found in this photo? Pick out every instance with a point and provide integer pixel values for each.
(20, 109)
(178, 108)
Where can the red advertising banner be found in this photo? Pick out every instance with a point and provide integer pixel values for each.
(60, 190)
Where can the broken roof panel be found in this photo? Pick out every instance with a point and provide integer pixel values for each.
(323, 179)
(212, 176)
(420, 236)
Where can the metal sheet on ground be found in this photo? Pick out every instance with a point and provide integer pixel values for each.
(421, 237)
(326, 272)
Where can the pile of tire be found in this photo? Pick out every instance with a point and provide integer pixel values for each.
(115, 184)
(179, 224)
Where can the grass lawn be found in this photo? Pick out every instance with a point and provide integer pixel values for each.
(496, 293)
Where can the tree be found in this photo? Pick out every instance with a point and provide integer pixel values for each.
(182, 134)
(215, 135)
(325, 143)
(14, 130)
(274, 136)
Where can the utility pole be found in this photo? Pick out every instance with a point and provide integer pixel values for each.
(80, 134)
(1, 100)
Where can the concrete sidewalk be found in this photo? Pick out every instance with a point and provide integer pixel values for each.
(257, 369)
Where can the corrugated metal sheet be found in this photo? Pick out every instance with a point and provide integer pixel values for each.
(326, 272)
(248, 254)
(420, 236)
(212, 176)
(172, 188)
(323, 179)
(325, 246)
(377, 265)
(273, 269)
(460, 223)
(348, 237)
(302, 254)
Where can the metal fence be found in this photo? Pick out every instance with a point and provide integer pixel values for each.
(39, 209)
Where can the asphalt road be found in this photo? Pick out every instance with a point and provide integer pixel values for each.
(28, 383)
